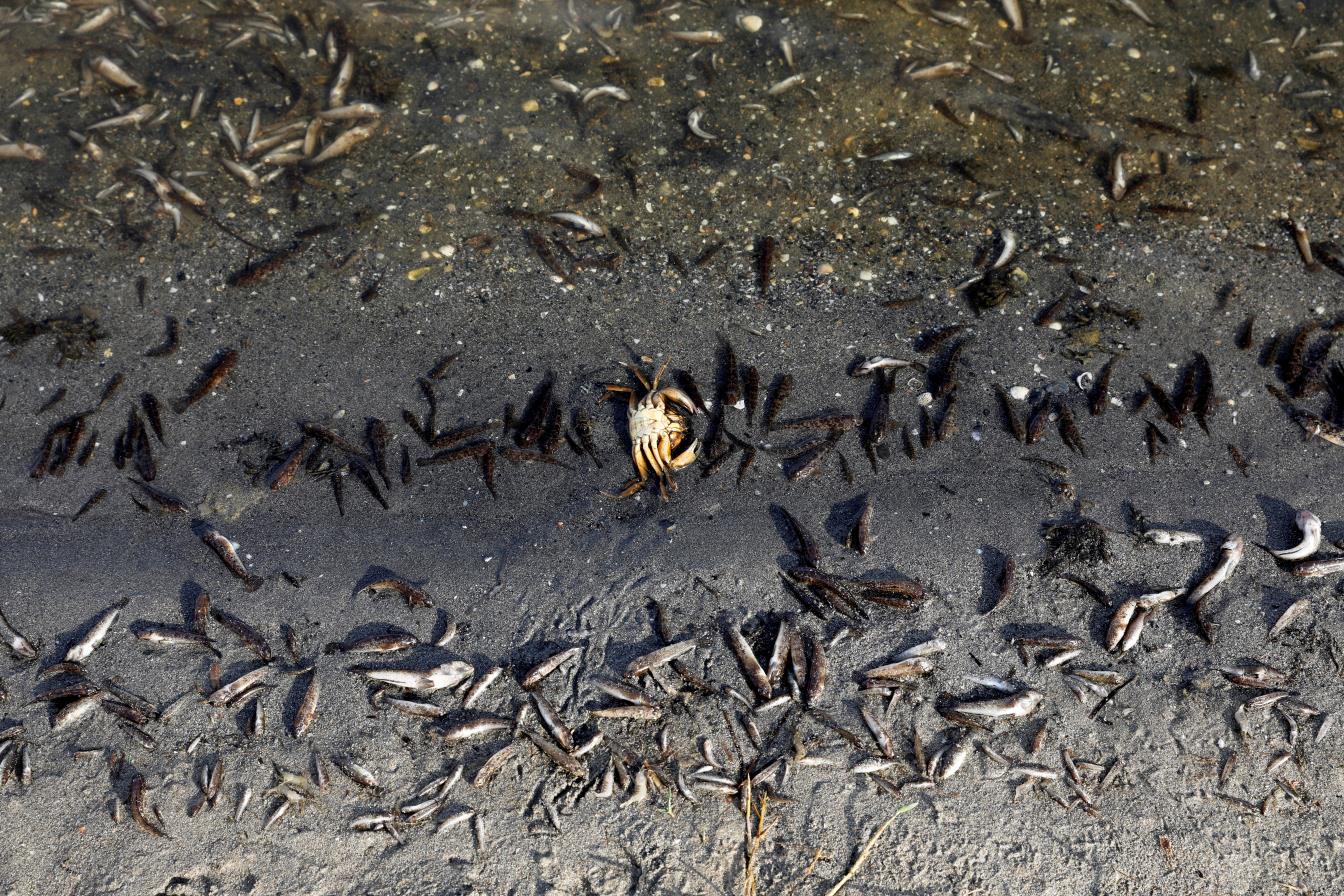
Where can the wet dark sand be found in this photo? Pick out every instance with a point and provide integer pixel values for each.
(553, 562)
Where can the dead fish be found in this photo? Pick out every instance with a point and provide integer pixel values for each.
(1255, 675)
(624, 692)
(950, 758)
(385, 643)
(1017, 706)
(782, 389)
(356, 772)
(138, 115)
(136, 803)
(578, 222)
(85, 646)
(474, 729)
(444, 675)
(344, 142)
(861, 534)
(697, 37)
(1303, 241)
(494, 764)
(1310, 524)
(1118, 178)
(1126, 625)
(940, 70)
(227, 551)
(551, 718)
(874, 364)
(351, 112)
(1312, 425)
(172, 635)
(18, 645)
(1133, 6)
(632, 711)
(20, 151)
(780, 87)
(225, 694)
(1157, 598)
(165, 502)
(747, 662)
(415, 597)
(284, 472)
(76, 711)
(610, 91)
(1005, 582)
(306, 714)
(1315, 569)
(479, 686)
(903, 669)
(538, 673)
(928, 648)
(211, 376)
(660, 657)
(417, 708)
(1101, 390)
(1232, 551)
(251, 638)
(1171, 537)
(805, 545)
(817, 667)
(1289, 616)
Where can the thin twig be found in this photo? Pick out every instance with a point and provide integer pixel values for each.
(867, 849)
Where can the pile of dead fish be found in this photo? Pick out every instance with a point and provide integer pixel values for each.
(777, 725)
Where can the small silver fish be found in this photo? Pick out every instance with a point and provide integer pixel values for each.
(20, 151)
(1232, 551)
(1310, 524)
(475, 728)
(1171, 537)
(1315, 569)
(941, 70)
(18, 645)
(235, 688)
(444, 675)
(344, 142)
(880, 362)
(138, 115)
(660, 657)
(115, 74)
(697, 37)
(1017, 706)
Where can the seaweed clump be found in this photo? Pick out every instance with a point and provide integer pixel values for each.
(75, 332)
(1079, 542)
(992, 290)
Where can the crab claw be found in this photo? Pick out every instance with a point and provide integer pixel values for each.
(679, 398)
(685, 458)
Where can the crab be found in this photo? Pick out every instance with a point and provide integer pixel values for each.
(658, 432)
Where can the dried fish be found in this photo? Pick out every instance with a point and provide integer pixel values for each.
(444, 675)
(85, 646)
(306, 714)
(140, 813)
(415, 597)
(747, 662)
(227, 551)
(659, 657)
(541, 670)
